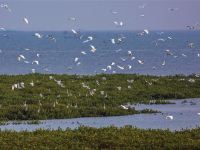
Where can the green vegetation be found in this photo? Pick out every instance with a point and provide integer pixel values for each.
(69, 96)
(102, 138)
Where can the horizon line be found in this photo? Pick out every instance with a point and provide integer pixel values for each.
(106, 30)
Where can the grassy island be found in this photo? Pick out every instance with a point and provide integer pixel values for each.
(49, 96)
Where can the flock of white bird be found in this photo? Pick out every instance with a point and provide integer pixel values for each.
(88, 40)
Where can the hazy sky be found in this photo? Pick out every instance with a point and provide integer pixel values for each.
(96, 14)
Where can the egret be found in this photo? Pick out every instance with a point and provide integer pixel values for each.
(36, 62)
(168, 52)
(129, 66)
(129, 53)
(33, 70)
(27, 62)
(76, 59)
(146, 31)
(120, 67)
(78, 63)
(118, 23)
(72, 18)
(26, 49)
(132, 58)
(163, 64)
(22, 56)
(118, 50)
(74, 31)
(38, 35)
(169, 37)
(2, 29)
(90, 38)
(119, 88)
(26, 20)
(114, 12)
(5, 6)
(123, 59)
(104, 69)
(109, 67)
(31, 83)
(93, 49)
(113, 63)
(130, 81)
(170, 117)
(83, 52)
(141, 62)
(124, 107)
(113, 41)
(184, 55)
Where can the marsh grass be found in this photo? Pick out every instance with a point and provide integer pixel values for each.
(74, 100)
(103, 138)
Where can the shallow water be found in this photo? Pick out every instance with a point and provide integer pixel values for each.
(185, 116)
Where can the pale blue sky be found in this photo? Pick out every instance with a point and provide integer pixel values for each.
(96, 14)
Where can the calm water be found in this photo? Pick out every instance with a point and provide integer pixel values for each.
(58, 57)
(184, 113)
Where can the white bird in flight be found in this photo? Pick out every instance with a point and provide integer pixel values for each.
(22, 56)
(38, 35)
(113, 41)
(36, 62)
(26, 20)
(113, 63)
(118, 23)
(109, 67)
(141, 62)
(129, 53)
(120, 67)
(170, 117)
(114, 12)
(163, 64)
(90, 38)
(6, 7)
(93, 49)
(72, 18)
(184, 55)
(146, 31)
(2, 29)
(83, 52)
(74, 31)
(76, 59)
(26, 49)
